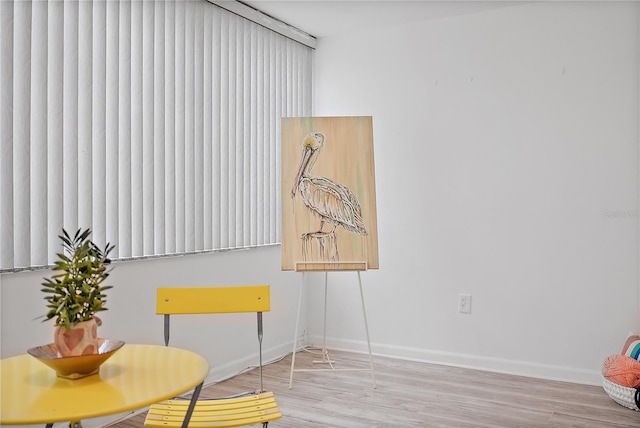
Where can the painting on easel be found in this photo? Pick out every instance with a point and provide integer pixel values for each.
(328, 194)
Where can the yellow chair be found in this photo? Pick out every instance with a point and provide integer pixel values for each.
(248, 408)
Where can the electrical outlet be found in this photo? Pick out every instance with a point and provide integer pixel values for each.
(464, 303)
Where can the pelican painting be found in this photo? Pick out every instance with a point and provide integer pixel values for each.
(332, 202)
(329, 222)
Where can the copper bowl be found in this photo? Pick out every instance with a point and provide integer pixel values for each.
(79, 366)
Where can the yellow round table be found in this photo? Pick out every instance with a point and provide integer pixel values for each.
(134, 377)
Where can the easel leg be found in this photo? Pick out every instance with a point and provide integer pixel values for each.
(324, 328)
(366, 327)
(325, 353)
(295, 335)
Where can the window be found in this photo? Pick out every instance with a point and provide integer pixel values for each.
(156, 124)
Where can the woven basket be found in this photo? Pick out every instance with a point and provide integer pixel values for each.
(625, 396)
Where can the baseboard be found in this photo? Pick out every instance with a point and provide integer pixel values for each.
(498, 365)
(232, 368)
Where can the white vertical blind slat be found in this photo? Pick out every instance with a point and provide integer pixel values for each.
(231, 141)
(21, 132)
(123, 249)
(98, 128)
(148, 107)
(156, 124)
(159, 129)
(38, 134)
(271, 116)
(216, 128)
(279, 75)
(265, 120)
(258, 95)
(6, 135)
(225, 115)
(252, 205)
(170, 127)
(198, 123)
(112, 83)
(241, 138)
(189, 135)
(79, 159)
(247, 130)
(239, 141)
(207, 130)
(180, 126)
(55, 128)
(137, 230)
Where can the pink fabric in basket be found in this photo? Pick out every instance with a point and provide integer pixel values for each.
(622, 370)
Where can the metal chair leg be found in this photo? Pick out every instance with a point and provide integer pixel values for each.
(192, 405)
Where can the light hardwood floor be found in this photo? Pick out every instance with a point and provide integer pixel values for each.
(412, 394)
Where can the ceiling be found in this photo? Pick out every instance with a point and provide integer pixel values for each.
(335, 17)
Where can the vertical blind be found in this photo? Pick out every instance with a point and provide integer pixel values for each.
(154, 123)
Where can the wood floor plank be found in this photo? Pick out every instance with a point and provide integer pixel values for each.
(413, 394)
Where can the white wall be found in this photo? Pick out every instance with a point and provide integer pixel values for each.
(131, 315)
(506, 147)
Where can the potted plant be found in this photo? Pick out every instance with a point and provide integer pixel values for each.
(76, 293)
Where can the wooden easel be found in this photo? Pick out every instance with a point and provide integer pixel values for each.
(326, 267)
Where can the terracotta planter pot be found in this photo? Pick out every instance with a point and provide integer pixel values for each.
(82, 339)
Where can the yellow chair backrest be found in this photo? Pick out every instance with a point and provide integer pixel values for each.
(212, 300)
(239, 410)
